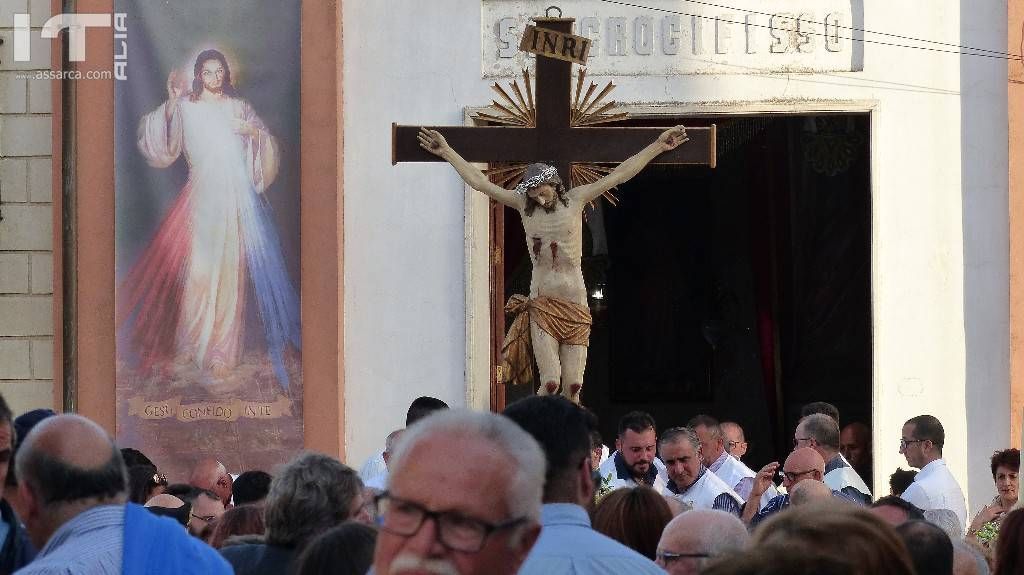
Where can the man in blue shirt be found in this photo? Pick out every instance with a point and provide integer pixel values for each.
(567, 544)
(72, 481)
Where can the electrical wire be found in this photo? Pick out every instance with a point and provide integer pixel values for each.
(981, 52)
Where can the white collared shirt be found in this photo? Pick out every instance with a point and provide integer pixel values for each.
(736, 475)
(608, 468)
(936, 488)
(705, 493)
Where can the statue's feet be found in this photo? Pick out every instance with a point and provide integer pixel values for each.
(573, 393)
(549, 388)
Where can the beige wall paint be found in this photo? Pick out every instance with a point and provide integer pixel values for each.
(1015, 97)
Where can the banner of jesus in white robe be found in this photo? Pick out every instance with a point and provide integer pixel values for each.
(184, 298)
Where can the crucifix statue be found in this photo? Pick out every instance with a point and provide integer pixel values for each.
(552, 325)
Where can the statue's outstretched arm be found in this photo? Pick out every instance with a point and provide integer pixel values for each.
(433, 142)
(669, 140)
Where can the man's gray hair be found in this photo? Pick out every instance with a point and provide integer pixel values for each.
(945, 520)
(526, 485)
(708, 422)
(311, 494)
(678, 435)
(822, 429)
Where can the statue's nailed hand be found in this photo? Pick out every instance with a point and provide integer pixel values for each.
(432, 141)
(672, 138)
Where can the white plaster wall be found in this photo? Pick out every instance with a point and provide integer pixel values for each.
(419, 62)
(985, 175)
(404, 294)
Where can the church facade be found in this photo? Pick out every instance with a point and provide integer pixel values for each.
(417, 315)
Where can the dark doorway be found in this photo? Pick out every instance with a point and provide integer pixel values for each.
(742, 291)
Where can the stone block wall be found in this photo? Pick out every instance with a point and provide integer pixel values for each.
(26, 231)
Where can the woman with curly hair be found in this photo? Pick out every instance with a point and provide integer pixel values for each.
(986, 524)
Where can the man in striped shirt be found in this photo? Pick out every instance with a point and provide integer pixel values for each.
(803, 463)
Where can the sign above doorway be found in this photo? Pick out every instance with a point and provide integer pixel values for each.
(671, 37)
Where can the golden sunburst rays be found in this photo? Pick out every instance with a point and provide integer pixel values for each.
(518, 111)
(507, 176)
(588, 109)
(518, 108)
(589, 173)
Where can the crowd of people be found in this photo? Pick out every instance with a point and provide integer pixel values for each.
(532, 490)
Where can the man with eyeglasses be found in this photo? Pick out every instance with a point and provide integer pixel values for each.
(695, 537)
(735, 440)
(934, 487)
(689, 481)
(821, 433)
(804, 463)
(463, 497)
(567, 543)
(206, 508)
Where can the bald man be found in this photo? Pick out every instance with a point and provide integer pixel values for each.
(73, 483)
(170, 506)
(735, 441)
(801, 465)
(379, 482)
(808, 492)
(211, 475)
(696, 537)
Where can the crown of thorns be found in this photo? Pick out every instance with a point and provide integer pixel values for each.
(544, 177)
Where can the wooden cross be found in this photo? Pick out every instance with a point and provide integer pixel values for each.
(553, 139)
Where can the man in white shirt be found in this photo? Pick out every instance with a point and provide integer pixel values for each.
(379, 482)
(689, 481)
(733, 472)
(735, 441)
(634, 462)
(934, 487)
(418, 409)
(821, 433)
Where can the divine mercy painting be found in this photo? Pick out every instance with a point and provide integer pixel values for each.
(208, 312)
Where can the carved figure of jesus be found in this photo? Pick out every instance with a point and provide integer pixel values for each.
(555, 320)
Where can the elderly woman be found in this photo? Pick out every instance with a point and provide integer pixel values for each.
(1005, 465)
